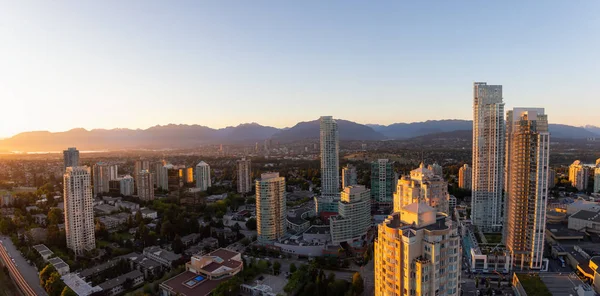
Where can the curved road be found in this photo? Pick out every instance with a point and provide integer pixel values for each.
(21, 272)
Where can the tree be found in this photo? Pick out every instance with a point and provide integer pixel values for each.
(68, 292)
(276, 268)
(6, 226)
(166, 230)
(251, 224)
(292, 268)
(54, 285)
(45, 273)
(236, 228)
(55, 216)
(177, 245)
(358, 284)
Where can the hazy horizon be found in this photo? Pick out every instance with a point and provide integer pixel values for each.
(137, 64)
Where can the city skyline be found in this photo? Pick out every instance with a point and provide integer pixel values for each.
(199, 55)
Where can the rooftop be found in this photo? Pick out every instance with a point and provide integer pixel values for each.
(316, 229)
(191, 284)
(587, 215)
(157, 251)
(78, 285)
(120, 279)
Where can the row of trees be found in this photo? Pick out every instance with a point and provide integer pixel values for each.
(307, 280)
(51, 282)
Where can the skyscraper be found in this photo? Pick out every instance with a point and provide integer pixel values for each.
(271, 222)
(71, 157)
(597, 176)
(243, 175)
(203, 176)
(464, 177)
(417, 252)
(79, 211)
(527, 148)
(139, 166)
(162, 180)
(330, 151)
(578, 175)
(348, 176)
(383, 181)
(354, 219)
(551, 178)
(422, 185)
(488, 157)
(102, 174)
(145, 187)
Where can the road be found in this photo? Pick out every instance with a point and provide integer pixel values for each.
(24, 274)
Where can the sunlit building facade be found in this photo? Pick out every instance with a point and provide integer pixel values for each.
(79, 210)
(330, 151)
(271, 211)
(578, 175)
(417, 252)
(488, 157)
(464, 177)
(528, 149)
(422, 185)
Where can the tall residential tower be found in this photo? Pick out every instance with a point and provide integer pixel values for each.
(527, 150)
(578, 175)
(71, 157)
(330, 151)
(383, 182)
(349, 176)
(79, 210)
(271, 222)
(203, 176)
(243, 176)
(488, 157)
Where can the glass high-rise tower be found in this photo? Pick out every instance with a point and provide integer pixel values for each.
(330, 163)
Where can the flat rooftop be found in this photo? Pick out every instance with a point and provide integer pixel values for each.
(561, 284)
(191, 284)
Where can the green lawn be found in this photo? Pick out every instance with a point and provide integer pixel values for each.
(533, 285)
(493, 238)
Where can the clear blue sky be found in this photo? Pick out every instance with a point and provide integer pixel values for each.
(134, 64)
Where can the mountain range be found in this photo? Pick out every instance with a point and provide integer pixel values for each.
(189, 136)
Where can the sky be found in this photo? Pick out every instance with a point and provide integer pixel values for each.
(136, 64)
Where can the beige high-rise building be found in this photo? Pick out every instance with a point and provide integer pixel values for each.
(349, 176)
(271, 222)
(464, 177)
(488, 157)
(102, 174)
(578, 175)
(597, 176)
(243, 175)
(417, 252)
(354, 219)
(528, 149)
(79, 209)
(145, 187)
(422, 185)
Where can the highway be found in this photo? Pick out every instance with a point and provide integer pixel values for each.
(21, 272)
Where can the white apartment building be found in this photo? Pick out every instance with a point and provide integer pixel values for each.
(102, 174)
(349, 176)
(464, 177)
(162, 179)
(417, 252)
(354, 219)
(244, 184)
(330, 151)
(202, 176)
(578, 175)
(527, 150)
(422, 185)
(145, 187)
(78, 210)
(488, 157)
(127, 185)
(271, 211)
(70, 157)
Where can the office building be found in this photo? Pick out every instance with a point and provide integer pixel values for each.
(349, 176)
(330, 151)
(145, 187)
(78, 210)
(383, 181)
(488, 157)
(244, 184)
(527, 149)
(422, 185)
(578, 175)
(102, 174)
(270, 207)
(417, 252)
(203, 176)
(70, 157)
(354, 219)
(436, 169)
(464, 177)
